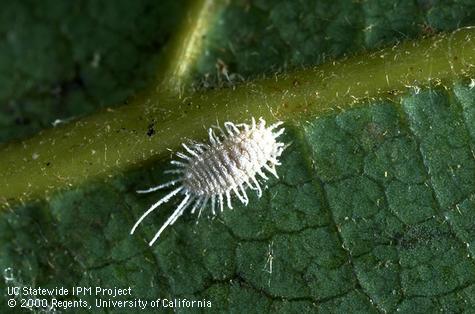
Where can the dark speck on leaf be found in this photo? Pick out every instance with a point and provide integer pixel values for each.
(22, 121)
(151, 130)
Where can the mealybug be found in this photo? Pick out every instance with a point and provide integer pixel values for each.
(212, 171)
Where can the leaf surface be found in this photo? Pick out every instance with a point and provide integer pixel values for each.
(373, 211)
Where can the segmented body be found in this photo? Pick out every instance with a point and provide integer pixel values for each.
(228, 164)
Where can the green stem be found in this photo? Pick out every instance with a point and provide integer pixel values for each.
(179, 57)
(115, 140)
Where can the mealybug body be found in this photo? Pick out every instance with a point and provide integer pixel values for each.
(229, 163)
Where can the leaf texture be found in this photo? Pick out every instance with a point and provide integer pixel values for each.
(374, 208)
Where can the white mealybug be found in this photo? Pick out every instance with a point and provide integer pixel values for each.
(228, 163)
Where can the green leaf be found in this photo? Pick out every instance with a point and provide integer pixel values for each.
(373, 211)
